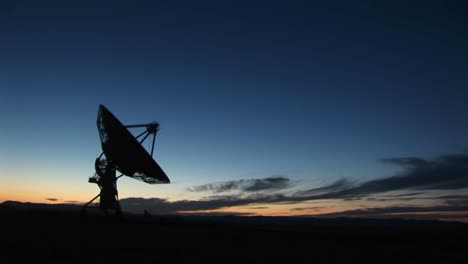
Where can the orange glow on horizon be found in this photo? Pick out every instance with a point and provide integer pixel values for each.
(274, 210)
(35, 196)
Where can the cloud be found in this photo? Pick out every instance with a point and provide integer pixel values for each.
(52, 199)
(406, 162)
(456, 200)
(313, 208)
(224, 213)
(445, 173)
(448, 172)
(337, 186)
(245, 185)
(413, 212)
(72, 201)
(455, 207)
(405, 194)
(163, 206)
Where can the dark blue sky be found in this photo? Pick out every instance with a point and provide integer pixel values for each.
(314, 91)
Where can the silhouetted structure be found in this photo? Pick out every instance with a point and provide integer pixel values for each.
(124, 153)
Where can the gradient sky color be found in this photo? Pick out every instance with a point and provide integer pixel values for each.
(314, 92)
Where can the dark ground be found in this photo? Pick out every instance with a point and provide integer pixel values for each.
(35, 236)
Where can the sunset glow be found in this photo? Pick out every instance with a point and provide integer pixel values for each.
(291, 109)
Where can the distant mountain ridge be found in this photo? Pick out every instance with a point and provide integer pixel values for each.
(15, 206)
(39, 206)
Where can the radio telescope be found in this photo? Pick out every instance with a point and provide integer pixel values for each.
(123, 152)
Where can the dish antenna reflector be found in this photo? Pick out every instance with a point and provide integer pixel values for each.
(122, 152)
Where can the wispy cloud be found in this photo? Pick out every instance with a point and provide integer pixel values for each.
(444, 174)
(414, 212)
(406, 162)
(310, 208)
(452, 207)
(245, 185)
(212, 203)
(335, 187)
(72, 202)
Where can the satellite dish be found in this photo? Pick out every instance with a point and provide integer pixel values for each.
(122, 152)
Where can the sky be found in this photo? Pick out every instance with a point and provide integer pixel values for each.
(352, 108)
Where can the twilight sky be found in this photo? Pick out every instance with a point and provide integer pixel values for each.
(266, 107)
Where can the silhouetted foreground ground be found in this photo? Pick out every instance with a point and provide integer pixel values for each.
(44, 237)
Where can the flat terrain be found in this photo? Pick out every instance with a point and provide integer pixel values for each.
(69, 237)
